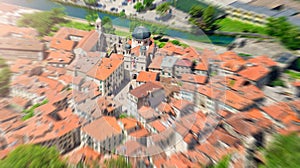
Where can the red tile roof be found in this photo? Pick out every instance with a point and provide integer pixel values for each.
(254, 73)
(145, 76)
(102, 128)
(144, 89)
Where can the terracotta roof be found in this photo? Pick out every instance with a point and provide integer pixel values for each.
(144, 89)
(60, 57)
(128, 123)
(147, 112)
(191, 54)
(139, 133)
(196, 79)
(201, 66)
(173, 49)
(105, 68)
(11, 31)
(145, 76)
(88, 41)
(9, 43)
(236, 101)
(102, 128)
(158, 126)
(184, 62)
(62, 44)
(254, 73)
(65, 33)
(263, 60)
(156, 62)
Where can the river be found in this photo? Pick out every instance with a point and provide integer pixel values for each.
(81, 13)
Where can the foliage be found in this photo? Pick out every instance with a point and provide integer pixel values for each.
(186, 5)
(161, 45)
(163, 8)
(122, 14)
(119, 162)
(77, 25)
(30, 112)
(90, 2)
(277, 82)
(196, 11)
(42, 21)
(148, 3)
(205, 20)
(244, 55)
(107, 25)
(4, 78)
(283, 152)
(175, 42)
(224, 163)
(27, 156)
(230, 25)
(91, 16)
(123, 115)
(293, 74)
(287, 33)
(139, 7)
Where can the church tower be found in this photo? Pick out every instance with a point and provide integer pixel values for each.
(98, 25)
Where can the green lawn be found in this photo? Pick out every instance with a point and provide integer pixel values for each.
(122, 33)
(77, 25)
(293, 74)
(230, 25)
(185, 5)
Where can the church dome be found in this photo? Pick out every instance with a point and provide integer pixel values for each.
(141, 33)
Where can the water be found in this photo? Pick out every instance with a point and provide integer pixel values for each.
(81, 13)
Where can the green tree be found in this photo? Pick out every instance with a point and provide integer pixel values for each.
(139, 7)
(205, 19)
(283, 152)
(163, 8)
(90, 2)
(287, 33)
(119, 162)
(196, 11)
(148, 3)
(27, 156)
(107, 25)
(122, 14)
(43, 22)
(4, 78)
(91, 16)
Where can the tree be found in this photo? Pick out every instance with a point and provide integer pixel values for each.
(90, 2)
(122, 14)
(163, 8)
(43, 22)
(107, 25)
(139, 7)
(148, 3)
(196, 11)
(119, 162)
(91, 16)
(283, 152)
(203, 19)
(287, 33)
(4, 78)
(33, 156)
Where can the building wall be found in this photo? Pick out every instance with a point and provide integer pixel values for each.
(179, 70)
